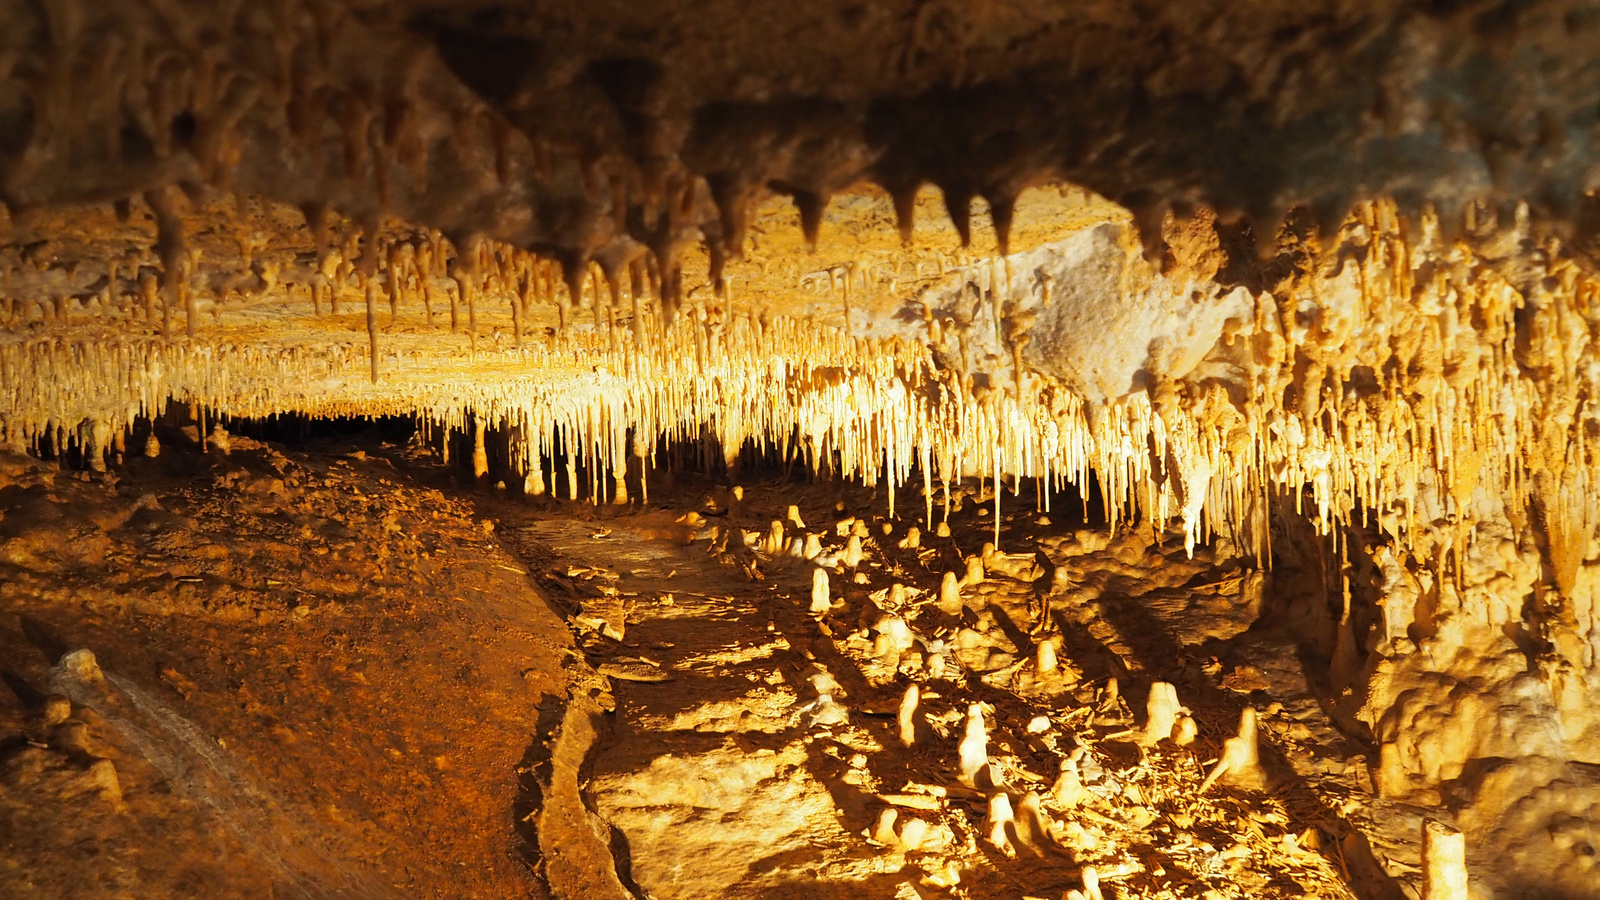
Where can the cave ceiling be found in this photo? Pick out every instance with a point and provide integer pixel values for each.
(601, 130)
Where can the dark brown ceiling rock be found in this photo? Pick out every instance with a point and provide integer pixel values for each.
(596, 129)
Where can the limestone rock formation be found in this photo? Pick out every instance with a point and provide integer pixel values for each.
(1313, 283)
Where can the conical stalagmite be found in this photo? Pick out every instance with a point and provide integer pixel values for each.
(998, 823)
(1240, 764)
(1091, 884)
(974, 748)
(1031, 823)
(1068, 790)
(820, 600)
(1044, 660)
(812, 548)
(950, 594)
(852, 552)
(975, 573)
(1162, 712)
(773, 544)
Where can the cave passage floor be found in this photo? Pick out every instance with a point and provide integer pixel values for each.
(332, 673)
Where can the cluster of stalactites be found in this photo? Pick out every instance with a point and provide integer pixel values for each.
(1398, 379)
(877, 410)
(380, 270)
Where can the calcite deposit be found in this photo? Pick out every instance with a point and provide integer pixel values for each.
(1292, 305)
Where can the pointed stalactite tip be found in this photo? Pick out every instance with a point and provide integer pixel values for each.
(1003, 212)
(811, 205)
(958, 204)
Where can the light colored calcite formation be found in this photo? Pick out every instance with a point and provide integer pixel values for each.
(1414, 396)
(570, 250)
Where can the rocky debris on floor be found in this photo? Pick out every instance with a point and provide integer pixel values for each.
(852, 713)
(261, 673)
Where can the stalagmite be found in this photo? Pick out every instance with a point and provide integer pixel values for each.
(619, 481)
(1444, 862)
(910, 717)
(793, 517)
(899, 596)
(812, 547)
(950, 595)
(1110, 695)
(827, 712)
(912, 540)
(975, 573)
(974, 748)
(480, 452)
(95, 444)
(1068, 790)
(1044, 661)
(998, 822)
(916, 835)
(774, 542)
(1032, 825)
(907, 833)
(894, 638)
(852, 552)
(1091, 884)
(820, 601)
(152, 446)
(1186, 731)
(1240, 764)
(1162, 711)
(883, 831)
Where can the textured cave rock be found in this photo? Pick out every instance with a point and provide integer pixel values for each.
(1311, 279)
(596, 130)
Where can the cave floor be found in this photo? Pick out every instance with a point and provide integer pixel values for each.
(333, 674)
(319, 680)
(735, 778)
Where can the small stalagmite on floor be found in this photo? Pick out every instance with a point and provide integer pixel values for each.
(821, 602)
(1240, 763)
(950, 594)
(910, 718)
(974, 748)
(1044, 660)
(999, 822)
(1162, 712)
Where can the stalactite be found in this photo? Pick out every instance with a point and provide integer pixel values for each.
(165, 203)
